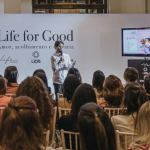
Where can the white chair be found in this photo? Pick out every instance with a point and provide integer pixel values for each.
(63, 111)
(127, 139)
(113, 111)
(47, 134)
(70, 139)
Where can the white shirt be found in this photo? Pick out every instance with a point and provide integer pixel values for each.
(60, 70)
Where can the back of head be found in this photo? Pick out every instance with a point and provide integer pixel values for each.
(43, 77)
(20, 126)
(147, 83)
(70, 85)
(143, 123)
(98, 80)
(134, 97)
(75, 72)
(113, 90)
(131, 74)
(38, 70)
(11, 74)
(36, 89)
(95, 128)
(3, 86)
(83, 94)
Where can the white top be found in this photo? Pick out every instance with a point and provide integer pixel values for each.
(124, 123)
(60, 71)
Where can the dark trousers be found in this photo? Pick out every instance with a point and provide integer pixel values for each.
(58, 89)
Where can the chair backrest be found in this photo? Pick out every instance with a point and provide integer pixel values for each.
(64, 111)
(51, 96)
(47, 135)
(10, 95)
(124, 139)
(59, 96)
(114, 111)
(54, 123)
(70, 139)
(1, 111)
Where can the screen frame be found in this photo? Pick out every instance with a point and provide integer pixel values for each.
(135, 55)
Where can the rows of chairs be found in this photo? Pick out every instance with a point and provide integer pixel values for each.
(64, 111)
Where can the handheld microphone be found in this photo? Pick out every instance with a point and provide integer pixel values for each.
(61, 52)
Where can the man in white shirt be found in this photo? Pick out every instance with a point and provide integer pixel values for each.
(61, 63)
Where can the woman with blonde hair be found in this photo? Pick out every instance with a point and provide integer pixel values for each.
(143, 129)
(20, 127)
(95, 128)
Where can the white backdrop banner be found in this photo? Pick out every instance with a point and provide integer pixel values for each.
(94, 41)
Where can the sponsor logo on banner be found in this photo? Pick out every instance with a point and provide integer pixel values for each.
(8, 59)
(36, 54)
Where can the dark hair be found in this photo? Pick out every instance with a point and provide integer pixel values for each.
(20, 126)
(133, 98)
(58, 43)
(83, 94)
(98, 80)
(131, 74)
(95, 128)
(147, 83)
(3, 86)
(70, 85)
(35, 88)
(43, 77)
(11, 74)
(76, 72)
(39, 70)
(113, 90)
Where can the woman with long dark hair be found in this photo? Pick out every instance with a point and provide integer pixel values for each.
(97, 83)
(83, 94)
(11, 74)
(69, 86)
(95, 128)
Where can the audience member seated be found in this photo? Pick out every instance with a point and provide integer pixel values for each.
(83, 94)
(130, 75)
(36, 89)
(133, 99)
(20, 126)
(40, 73)
(146, 85)
(69, 86)
(38, 70)
(4, 100)
(11, 74)
(76, 72)
(143, 126)
(43, 77)
(113, 92)
(95, 128)
(97, 83)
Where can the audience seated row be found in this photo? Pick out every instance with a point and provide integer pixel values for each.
(86, 116)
